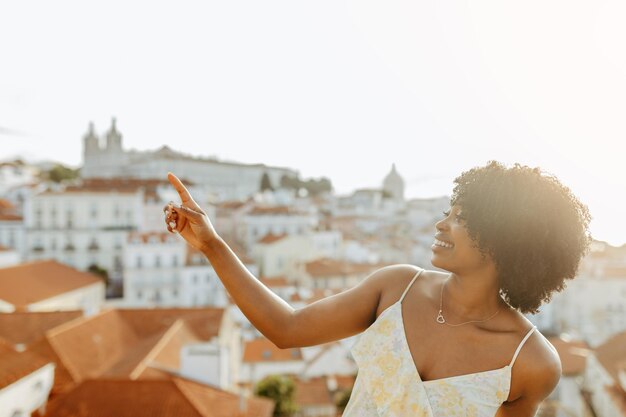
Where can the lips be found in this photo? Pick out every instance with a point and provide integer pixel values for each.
(441, 243)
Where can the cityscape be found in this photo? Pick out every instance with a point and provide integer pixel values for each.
(103, 312)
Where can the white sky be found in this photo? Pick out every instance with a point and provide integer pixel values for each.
(341, 89)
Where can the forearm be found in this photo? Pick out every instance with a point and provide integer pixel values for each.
(267, 312)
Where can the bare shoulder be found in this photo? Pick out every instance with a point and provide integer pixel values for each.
(395, 279)
(536, 371)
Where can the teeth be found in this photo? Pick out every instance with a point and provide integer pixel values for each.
(443, 244)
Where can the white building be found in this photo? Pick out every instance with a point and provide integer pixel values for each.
(84, 225)
(16, 173)
(153, 262)
(279, 254)
(162, 270)
(9, 257)
(49, 286)
(277, 220)
(25, 383)
(12, 230)
(227, 180)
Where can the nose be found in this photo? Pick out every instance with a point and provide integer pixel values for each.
(441, 225)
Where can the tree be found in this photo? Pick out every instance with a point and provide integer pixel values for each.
(281, 389)
(342, 397)
(266, 183)
(101, 272)
(60, 173)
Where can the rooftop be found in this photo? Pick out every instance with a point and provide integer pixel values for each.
(31, 282)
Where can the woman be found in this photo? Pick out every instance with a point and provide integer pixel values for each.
(446, 344)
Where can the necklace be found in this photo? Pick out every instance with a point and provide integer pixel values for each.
(440, 319)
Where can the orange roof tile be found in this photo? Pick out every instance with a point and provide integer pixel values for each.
(218, 403)
(10, 218)
(271, 238)
(204, 322)
(31, 282)
(263, 350)
(153, 398)
(313, 391)
(148, 237)
(90, 346)
(6, 205)
(275, 281)
(325, 267)
(63, 381)
(344, 381)
(16, 365)
(167, 353)
(29, 327)
(274, 210)
(612, 352)
(572, 354)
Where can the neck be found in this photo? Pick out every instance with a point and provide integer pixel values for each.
(472, 296)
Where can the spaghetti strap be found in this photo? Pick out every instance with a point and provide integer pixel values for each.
(522, 344)
(410, 283)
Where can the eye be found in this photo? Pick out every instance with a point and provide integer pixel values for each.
(446, 213)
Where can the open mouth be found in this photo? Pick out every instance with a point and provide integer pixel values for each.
(442, 244)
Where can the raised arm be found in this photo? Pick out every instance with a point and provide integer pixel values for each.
(332, 318)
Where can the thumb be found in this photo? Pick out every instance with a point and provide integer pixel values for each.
(192, 214)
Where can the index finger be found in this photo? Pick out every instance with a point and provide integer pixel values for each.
(178, 185)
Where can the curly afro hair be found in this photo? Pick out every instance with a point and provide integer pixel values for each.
(531, 225)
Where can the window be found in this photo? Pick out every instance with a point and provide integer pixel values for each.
(138, 261)
(139, 294)
(157, 261)
(174, 260)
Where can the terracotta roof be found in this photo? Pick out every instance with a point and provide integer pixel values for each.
(612, 352)
(274, 211)
(271, 238)
(29, 327)
(263, 350)
(10, 218)
(280, 281)
(131, 363)
(313, 391)
(218, 403)
(153, 398)
(328, 267)
(90, 346)
(31, 282)
(573, 355)
(16, 365)
(5, 249)
(123, 185)
(344, 381)
(167, 353)
(6, 205)
(63, 380)
(204, 322)
(230, 205)
(149, 237)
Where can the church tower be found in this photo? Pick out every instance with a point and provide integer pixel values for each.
(394, 184)
(91, 145)
(114, 139)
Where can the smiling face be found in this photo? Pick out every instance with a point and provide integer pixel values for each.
(453, 250)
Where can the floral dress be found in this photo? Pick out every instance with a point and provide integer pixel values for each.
(389, 385)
